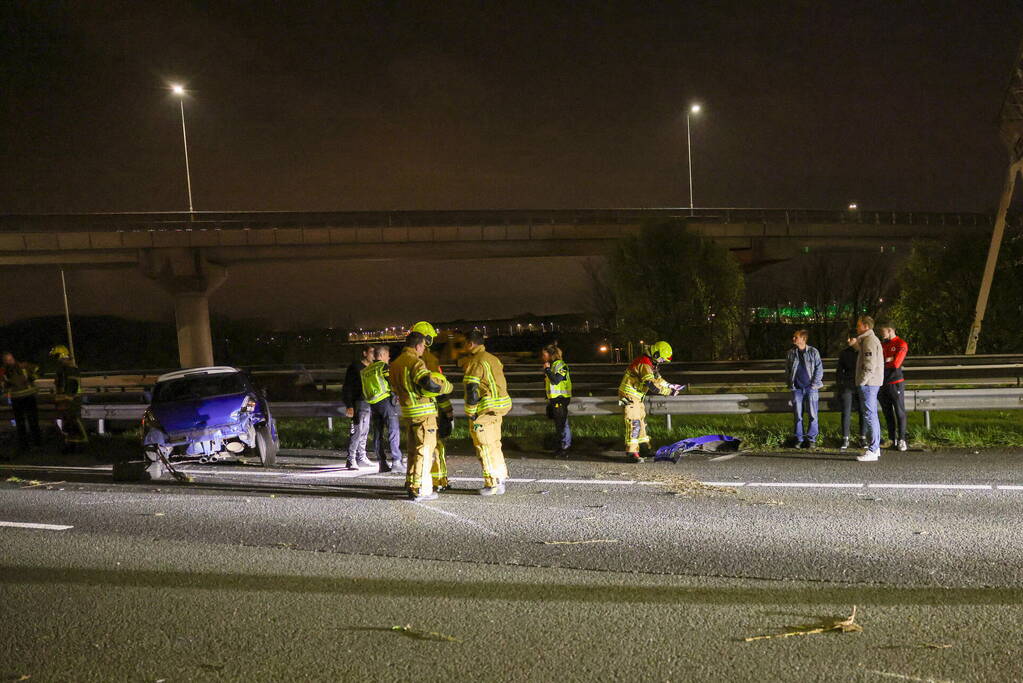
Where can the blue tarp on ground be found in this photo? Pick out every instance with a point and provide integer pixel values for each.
(711, 443)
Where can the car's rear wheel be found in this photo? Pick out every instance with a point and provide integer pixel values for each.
(265, 446)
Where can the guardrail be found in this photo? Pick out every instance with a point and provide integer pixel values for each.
(237, 220)
(924, 401)
(604, 377)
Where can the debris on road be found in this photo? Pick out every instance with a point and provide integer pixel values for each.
(418, 634)
(592, 540)
(682, 486)
(710, 443)
(847, 625)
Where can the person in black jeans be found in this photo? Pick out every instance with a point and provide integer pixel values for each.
(845, 377)
(18, 384)
(357, 409)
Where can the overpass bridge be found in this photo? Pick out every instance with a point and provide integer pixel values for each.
(189, 253)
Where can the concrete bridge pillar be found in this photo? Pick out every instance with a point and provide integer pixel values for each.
(187, 276)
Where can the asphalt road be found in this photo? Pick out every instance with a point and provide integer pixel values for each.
(585, 570)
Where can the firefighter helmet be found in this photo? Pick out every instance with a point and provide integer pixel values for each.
(60, 351)
(427, 330)
(661, 352)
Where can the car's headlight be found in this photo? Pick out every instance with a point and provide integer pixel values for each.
(149, 421)
(248, 405)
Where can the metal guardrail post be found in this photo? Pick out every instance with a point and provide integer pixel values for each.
(927, 420)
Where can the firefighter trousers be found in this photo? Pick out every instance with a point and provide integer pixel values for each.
(485, 430)
(635, 426)
(420, 442)
(439, 471)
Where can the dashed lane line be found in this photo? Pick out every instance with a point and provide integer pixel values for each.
(33, 525)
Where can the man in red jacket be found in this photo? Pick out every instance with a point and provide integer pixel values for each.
(892, 396)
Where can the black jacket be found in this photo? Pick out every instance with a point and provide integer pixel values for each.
(845, 372)
(351, 390)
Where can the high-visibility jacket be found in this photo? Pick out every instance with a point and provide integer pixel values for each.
(562, 389)
(642, 378)
(19, 380)
(484, 374)
(433, 365)
(375, 384)
(67, 382)
(405, 374)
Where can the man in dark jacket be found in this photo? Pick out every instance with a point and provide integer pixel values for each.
(18, 382)
(848, 395)
(357, 409)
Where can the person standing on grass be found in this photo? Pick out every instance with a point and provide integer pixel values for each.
(869, 378)
(357, 409)
(848, 395)
(892, 396)
(805, 377)
(558, 386)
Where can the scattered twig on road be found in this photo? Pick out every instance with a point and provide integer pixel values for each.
(408, 630)
(683, 486)
(36, 482)
(592, 540)
(847, 625)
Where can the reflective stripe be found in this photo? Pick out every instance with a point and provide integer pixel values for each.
(375, 387)
(562, 389)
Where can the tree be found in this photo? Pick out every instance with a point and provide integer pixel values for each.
(672, 284)
(939, 292)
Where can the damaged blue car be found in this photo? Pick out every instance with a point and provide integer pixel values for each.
(208, 414)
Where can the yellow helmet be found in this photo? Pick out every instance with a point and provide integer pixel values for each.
(427, 330)
(60, 351)
(439, 379)
(661, 352)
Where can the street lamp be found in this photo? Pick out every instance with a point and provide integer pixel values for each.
(179, 92)
(693, 109)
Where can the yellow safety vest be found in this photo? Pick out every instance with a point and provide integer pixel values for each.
(405, 373)
(486, 371)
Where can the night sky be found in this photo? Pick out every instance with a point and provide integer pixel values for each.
(484, 105)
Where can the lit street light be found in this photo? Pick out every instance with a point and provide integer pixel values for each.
(179, 91)
(694, 109)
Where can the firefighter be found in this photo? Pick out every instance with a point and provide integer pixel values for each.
(376, 391)
(416, 389)
(486, 403)
(558, 387)
(18, 382)
(642, 377)
(445, 413)
(67, 397)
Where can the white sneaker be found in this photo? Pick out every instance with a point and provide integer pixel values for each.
(902, 445)
(870, 456)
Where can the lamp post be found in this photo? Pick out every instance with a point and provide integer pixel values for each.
(179, 91)
(693, 109)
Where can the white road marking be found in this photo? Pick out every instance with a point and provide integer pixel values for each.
(471, 523)
(603, 482)
(956, 487)
(32, 525)
(333, 471)
(805, 485)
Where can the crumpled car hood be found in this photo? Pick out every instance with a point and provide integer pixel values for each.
(180, 416)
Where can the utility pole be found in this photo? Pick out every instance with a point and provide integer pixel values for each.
(1011, 129)
(67, 317)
